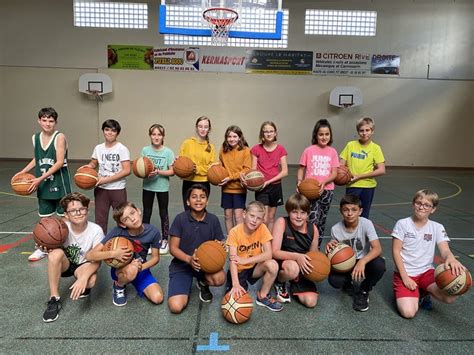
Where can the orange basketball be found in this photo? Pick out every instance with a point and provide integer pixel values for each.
(183, 167)
(142, 167)
(114, 244)
(216, 173)
(212, 256)
(321, 266)
(344, 176)
(21, 183)
(342, 258)
(451, 284)
(50, 232)
(309, 188)
(86, 178)
(238, 310)
(254, 179)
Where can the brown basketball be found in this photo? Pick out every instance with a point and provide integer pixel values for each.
(21, 183)
(342, 258)
(344, 176)
(183, 167)
(255, 180)
(453, 285)
(114, 244)
(50, 232)
(211, 255)
(321, 266)
(238, 310)
(142, 167)
(216, 173)
(86, 178)
(309, 188)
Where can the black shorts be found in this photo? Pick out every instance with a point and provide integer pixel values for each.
(72, 269)
(302, 285)
(245, 279)
(272, 195)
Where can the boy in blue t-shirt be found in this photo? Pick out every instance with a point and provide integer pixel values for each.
(189, 230)
(143, 236)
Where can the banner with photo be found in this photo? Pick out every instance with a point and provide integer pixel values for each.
(279, 62)
(222, 60)
(341, 63)
(129, 57)
(387, 64)
(176, 59)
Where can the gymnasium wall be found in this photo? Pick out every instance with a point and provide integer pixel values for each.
(420, 120)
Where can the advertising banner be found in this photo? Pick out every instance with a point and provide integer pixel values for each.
(341, 63)
(388, 64)
(176, 59)
(130, 57)
(279, 62)
(222, 60)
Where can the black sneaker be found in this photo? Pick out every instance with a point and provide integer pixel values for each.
(425, 301)
(205, 294)
(360, 301)
(348, 288)
(52, 311)
(86, 293)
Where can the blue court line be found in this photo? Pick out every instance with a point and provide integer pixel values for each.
(213, 344)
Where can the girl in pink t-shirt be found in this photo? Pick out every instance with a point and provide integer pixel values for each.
(271, 159)
(320, 161)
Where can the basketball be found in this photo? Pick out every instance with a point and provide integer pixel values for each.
(254, 180)
(342, 258)
(451, 284)
(321, 266)
(343, 177)
(50, 232)
(183, 167)
(142, 167)
(114, 244)
(86, 178)
(309, 188)
(212, 256)
(216, 173)
(238, 310)
(21, 183)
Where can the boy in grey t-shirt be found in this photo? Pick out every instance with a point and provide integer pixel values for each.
(359, 233)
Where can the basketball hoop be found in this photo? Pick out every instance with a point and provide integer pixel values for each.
(220, 21)
(96, 94)
(346, 105)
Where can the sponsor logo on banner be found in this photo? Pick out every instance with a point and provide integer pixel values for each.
(335, 63)
(388, 64)
(279, 62)
(176, 59)
(223, 60)
(129, 57)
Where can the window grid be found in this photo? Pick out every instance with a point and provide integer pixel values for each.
(250, 20)
(110, 14)
(340, 22)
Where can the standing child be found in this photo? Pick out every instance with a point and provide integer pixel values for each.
(70, 260)
(293, 237)
(143, 237)
(113, 159)
(365, 161)
(250, 256)
(202, 153)
(359, 233)
(158, 182)
(413, 246)
(51, 170)
(271, 159)
(320, 161)
(188, 231)
(235, 156)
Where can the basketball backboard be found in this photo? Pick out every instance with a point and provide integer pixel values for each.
(345, 96)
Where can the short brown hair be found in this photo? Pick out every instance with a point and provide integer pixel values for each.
(363, 121)
(257, 205)
(297, 202)
(74, 196)
(118, 211)
(350, 200)
(428, 194)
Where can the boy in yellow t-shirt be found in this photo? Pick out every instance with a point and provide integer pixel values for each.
(251, 257)
(365, 161)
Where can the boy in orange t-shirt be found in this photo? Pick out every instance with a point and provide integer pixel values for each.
(251, 257)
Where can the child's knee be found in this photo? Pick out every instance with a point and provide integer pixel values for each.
(290, 268)
(408, 312)
(56, 255)
(156, 298)
(310, 302)
(271, 266)
(176, 306)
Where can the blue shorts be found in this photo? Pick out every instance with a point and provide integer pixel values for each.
(142, 281)
(181, 282)
(233, 201)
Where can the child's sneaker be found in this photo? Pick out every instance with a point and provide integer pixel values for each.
(165, 248)
(425, 301)
(205, 294)
(119, 295)
(37, 255)
(360, 301)
(86, 293)
(282, 292)
(270, 303)
(52, 311)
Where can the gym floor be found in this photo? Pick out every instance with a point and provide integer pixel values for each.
(95, 325)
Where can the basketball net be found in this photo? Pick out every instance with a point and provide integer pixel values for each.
(96, 94)
(220, 20)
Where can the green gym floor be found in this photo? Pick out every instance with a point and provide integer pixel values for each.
(95, 325)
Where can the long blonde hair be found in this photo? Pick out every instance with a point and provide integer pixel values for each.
(204, 118)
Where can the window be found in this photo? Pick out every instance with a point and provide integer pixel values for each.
(340, 23)
(110, 14)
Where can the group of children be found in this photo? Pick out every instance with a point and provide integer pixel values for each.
(259, 246)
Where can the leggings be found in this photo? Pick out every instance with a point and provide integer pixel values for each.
(319, 212)
(163, 200)
(104, 199)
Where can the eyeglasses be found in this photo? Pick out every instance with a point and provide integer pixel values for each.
(78, 212)
(426, 206)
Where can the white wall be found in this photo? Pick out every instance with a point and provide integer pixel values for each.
(419, 122)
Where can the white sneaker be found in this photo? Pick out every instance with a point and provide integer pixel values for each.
(37, 255)
(165, 248)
